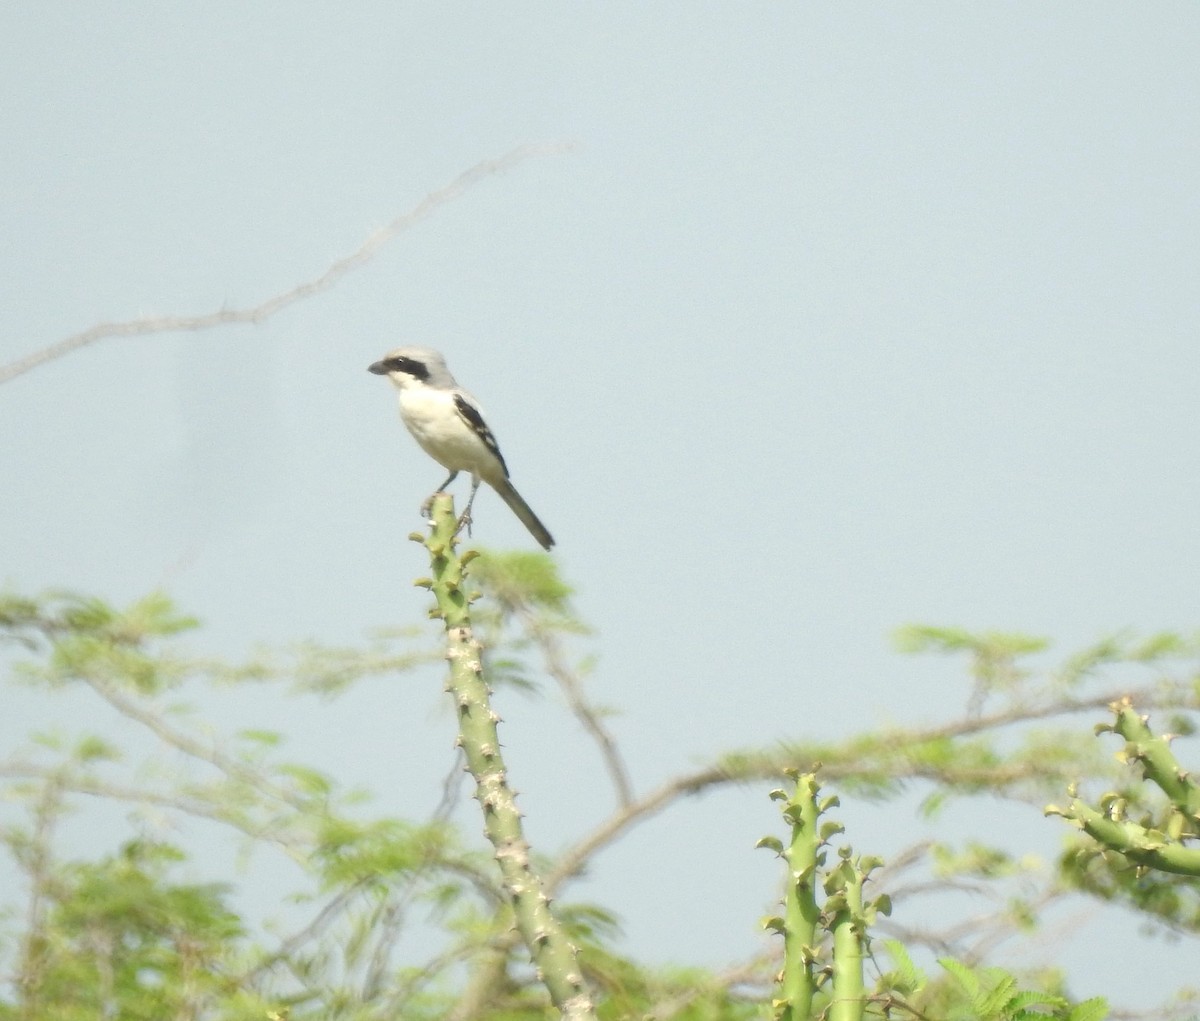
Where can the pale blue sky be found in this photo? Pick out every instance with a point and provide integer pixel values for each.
(889, 307)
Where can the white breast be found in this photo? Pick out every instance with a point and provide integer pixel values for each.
(435, 423)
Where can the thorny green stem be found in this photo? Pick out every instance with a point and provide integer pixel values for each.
(801, 913)
(848, 927)
(554, 956)
(1162, 847)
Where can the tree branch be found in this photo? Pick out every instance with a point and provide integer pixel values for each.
(761, 766)
(589, 718)
(263, 311)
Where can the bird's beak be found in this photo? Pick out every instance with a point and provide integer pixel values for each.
(378, 368)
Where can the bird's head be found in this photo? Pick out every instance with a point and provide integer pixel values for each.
(408, 365)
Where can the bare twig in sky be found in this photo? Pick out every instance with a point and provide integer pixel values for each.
(586, 713)
(263, 311)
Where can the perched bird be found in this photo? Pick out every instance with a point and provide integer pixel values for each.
(448, 423)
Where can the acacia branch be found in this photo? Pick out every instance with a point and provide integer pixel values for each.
(266, 309)
(228, 765)
(572, 689)
(768, 765)
(755, 971)
(192, 803)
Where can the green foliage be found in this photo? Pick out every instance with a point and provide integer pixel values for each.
(996, 657)
(966, 992)
(122, 939)
(348, 852)
(992, 995)
(118, 934)
(525, 607)
(993, 647)
(392, 917)
(515, 579)
(86, 637)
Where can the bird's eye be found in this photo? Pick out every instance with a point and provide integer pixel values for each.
(410, 366)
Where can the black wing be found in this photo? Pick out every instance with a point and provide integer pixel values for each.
(470, 414)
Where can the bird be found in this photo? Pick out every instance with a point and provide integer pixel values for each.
(448, 424)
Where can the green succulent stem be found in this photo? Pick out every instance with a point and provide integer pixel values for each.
(843, 914)
(1157, 759)
(1141, 846)
(849, 928)
(1159, 846)
(554, 956)
(801, 913)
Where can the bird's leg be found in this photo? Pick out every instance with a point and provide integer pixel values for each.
(425, 507)
(464, 519)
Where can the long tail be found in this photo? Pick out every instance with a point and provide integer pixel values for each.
(522, 510)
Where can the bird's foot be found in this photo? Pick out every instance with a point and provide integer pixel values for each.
(427, 505)
(464, 521)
